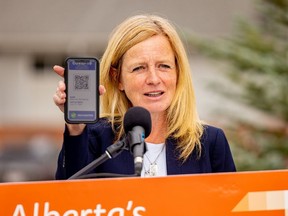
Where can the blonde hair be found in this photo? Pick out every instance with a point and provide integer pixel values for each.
(183, 121)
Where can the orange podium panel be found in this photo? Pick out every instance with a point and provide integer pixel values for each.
(243, 193)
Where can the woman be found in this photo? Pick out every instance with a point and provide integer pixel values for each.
(145, 64)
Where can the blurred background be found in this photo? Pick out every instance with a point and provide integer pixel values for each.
(237, 49)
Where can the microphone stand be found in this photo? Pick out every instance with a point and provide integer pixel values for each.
(111, 152)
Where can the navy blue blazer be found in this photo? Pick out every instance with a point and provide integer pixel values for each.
(79, 151)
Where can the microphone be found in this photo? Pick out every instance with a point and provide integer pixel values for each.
(137, 126)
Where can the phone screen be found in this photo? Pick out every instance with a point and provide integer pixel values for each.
(81, 78)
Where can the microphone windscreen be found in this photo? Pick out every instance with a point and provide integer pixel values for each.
(137, 116)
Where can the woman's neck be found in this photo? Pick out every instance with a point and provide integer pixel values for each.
(158, 130)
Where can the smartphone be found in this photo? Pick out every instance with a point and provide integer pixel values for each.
(82, 95)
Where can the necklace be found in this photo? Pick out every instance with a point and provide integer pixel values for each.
(153, 167)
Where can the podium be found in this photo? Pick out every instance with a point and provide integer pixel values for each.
(243, 193)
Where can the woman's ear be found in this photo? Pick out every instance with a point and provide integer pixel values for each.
(120, 86)
(113, 73)
(116, 78)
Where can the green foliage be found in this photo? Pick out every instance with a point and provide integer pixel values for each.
(258, 55)
(256, 149)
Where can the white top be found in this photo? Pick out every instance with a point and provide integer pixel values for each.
(154, 160)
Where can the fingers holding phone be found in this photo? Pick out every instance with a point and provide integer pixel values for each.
(60, 95)
(59, 70)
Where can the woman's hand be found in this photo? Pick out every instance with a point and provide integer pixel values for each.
(60, 96)
(59, 99)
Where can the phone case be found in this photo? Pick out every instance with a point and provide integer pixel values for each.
(77, 81)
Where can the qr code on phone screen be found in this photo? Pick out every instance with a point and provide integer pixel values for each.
(81, 82)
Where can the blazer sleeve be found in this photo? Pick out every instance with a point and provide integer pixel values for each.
(79, 151)
(74, 154)
(220, 154)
